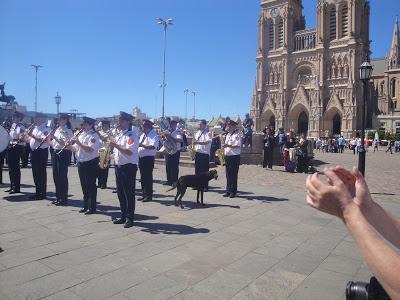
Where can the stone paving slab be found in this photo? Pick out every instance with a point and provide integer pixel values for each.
(266, 244)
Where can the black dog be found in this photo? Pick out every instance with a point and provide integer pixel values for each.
(199, 182)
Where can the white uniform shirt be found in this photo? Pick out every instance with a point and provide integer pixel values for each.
(203, 136)
(40, 131)
(63, 134)
(129, 140)
(151, 139)
(15, 133)
(233, 139)
(91, 139)
(177, 135)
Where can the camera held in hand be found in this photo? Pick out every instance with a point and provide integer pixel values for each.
(366, 291)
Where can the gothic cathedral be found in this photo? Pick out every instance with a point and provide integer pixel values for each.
(308, 79)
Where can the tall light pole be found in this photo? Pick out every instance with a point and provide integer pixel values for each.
(194, 93)
(186, 91)
(37, 67)
(365, 75)
(57, 99)
(165, 24)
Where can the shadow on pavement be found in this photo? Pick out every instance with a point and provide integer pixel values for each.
(267, 199)
(165, 228)
(193, 204)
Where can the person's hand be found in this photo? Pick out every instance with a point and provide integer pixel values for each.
(333, 198)
(356, 184)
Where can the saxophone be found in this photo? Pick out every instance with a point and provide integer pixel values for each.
(105, 153)
(191, 151)
(220, 153)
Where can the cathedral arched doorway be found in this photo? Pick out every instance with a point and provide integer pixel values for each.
(302, 123)
(272, 122)
(336, 125)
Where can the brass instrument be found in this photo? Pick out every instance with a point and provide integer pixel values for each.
(105, 153)
(220, 153)
(169, 145)
(191, 151)
(22, 136)
(69, 142)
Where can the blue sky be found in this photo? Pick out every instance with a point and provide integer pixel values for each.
(104, 56)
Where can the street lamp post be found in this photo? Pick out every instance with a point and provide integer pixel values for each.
(186, 91)
(194, 93)
(165, 24)
(37, 67)
(365, 75)
(58, 102)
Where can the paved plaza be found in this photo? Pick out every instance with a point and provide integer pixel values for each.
(266, 244)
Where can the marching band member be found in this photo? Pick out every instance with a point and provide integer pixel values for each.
(61, 160)
(202, 146)
(126, 159)
(39, 155)
(103, 173)
(3, 154)
(87, 147)
(14, 152)
(148, 144)
(172, 160)
(232, 149)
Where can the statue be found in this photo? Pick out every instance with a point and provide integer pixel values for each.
(3, 97)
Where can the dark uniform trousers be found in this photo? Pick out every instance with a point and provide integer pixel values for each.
(60, 173)
(2, 157)
(25, 155)
(126, 181)
(14, 168)
(39, 159)
(146, 166)
(268, 157)
(232, 170)
(103, 177)
(201, 163)
(172, 166)
(88, 172)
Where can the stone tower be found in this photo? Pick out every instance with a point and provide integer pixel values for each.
(307, 79)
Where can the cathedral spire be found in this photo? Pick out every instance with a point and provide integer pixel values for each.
(394, 55)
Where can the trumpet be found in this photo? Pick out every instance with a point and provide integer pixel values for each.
(69, 142)
(22, 136)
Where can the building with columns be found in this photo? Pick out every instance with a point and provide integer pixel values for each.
(308, 79)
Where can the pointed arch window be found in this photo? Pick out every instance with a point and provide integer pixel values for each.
(332, 23)
(393, 88)
(271, 35)
(345, 20)
(280, 32)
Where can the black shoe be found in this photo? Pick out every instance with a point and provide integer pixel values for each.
(233, 195)
(62, 203)
(83, 210)
(167, 183)
(9, 190)
(147, 199)
(226, 194)
(119, 221)
(128, 224)
(55, 201)
(14, 192)
(90, 212)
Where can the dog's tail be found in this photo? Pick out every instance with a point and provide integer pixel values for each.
(173, 187)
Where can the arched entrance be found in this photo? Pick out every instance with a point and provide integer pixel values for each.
(272, 122)
(333, 121)
(337, 125)
(302, 123)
